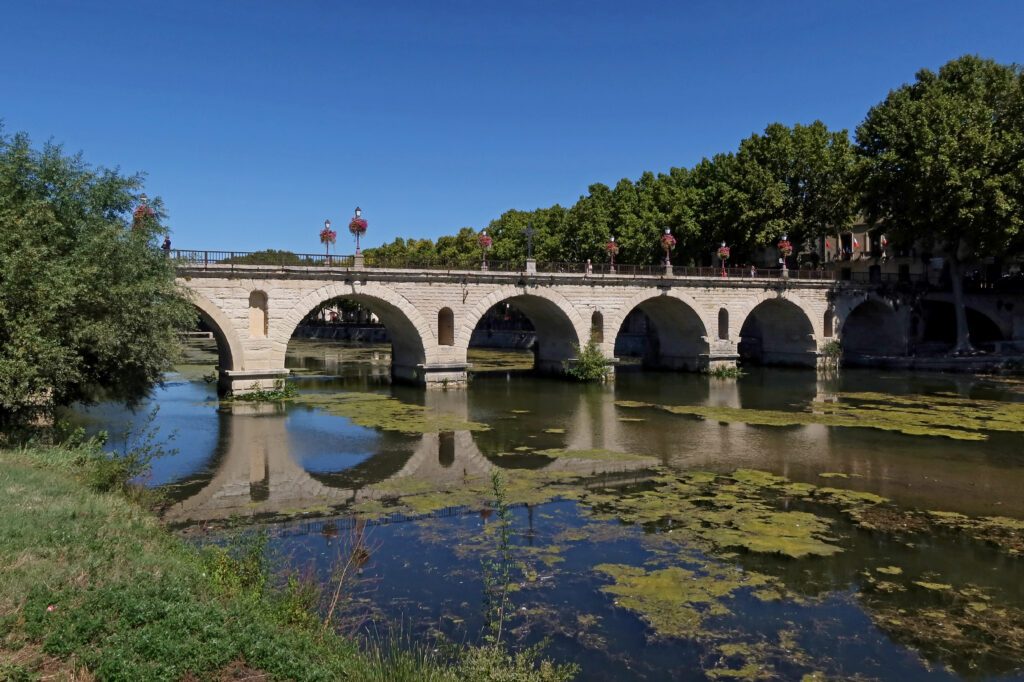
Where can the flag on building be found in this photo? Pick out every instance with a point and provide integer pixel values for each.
(856, 244)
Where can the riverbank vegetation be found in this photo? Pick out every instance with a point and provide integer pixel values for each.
(94, 587)
(88, 303)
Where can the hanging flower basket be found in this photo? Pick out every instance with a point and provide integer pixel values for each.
(357, 226)
(612, 248)
(668, 242)
(723, 252)
(328, 236)
(142, 214)
(143, 211)
(485, 241)
(785, 247)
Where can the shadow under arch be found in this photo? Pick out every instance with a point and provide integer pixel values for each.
(778, 332)
(229, 347)
(872, 328)
(676, 337)
(409, 333)
(558, 326)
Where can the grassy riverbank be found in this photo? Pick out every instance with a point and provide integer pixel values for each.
(92, 586)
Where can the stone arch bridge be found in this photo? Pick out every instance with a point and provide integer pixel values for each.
(700, 320)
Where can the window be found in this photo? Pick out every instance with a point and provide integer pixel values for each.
(597, 327)
(446, 327)
(258, 315)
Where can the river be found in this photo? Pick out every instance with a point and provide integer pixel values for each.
(782, 525)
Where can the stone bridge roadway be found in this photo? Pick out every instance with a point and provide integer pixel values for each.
(253, 311)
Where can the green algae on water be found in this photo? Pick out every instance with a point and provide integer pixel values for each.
(377, 411)
(722, 513)
(675, 601)
(933, 415)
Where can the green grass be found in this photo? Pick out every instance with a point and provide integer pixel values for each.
(93, 582)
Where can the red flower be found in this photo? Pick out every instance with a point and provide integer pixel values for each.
(723, 252)
(668, 241)
(485, 241)
(612, 248)
(785, 247)
(328, 236)
(357, 226)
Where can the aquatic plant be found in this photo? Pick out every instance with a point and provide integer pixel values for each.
(590, 363)
(497, 573)
(725, 372)
(282, 390)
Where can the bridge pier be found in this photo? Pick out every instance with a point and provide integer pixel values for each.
(240, 382)
(435, 375)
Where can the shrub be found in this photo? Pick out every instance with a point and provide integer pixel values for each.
(590, 365)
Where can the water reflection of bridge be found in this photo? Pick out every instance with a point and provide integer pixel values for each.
(257, 476)
(255, 473)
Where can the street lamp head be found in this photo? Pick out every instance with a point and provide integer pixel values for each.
(327, 224)
(143, 198)
(359, 212)
(785, 237)
(668, 230)
(723, 242)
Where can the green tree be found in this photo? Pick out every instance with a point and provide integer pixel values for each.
(944, 165)
(794, 181)
(88, 303)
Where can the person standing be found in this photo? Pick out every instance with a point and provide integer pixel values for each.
(166, 247)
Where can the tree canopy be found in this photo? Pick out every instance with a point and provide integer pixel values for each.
(794, 180)
(88, 303)
(943, 163)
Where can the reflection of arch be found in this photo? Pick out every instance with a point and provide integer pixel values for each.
(777, 331)
(229, 347)
(557, 323)
(873, 328)
(680, 332)
(258, 315)
(409, 332)
(445, 327)
(597, 327)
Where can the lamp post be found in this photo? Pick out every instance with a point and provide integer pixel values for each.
(667, 243)
(142, 212)
(357, 226)
(485, 245)
(531, 264)
(327, 237)
(785, 248)
(613, 250)
(723, 255)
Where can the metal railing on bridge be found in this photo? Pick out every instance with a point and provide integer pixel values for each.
(286, 259)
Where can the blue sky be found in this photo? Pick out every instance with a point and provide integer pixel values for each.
(255, 120)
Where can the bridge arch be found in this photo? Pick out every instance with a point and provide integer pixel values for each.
(680, 338)
(778, 329)
(872, 327)
(412, 341)
(557, 323)
(230, 355)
